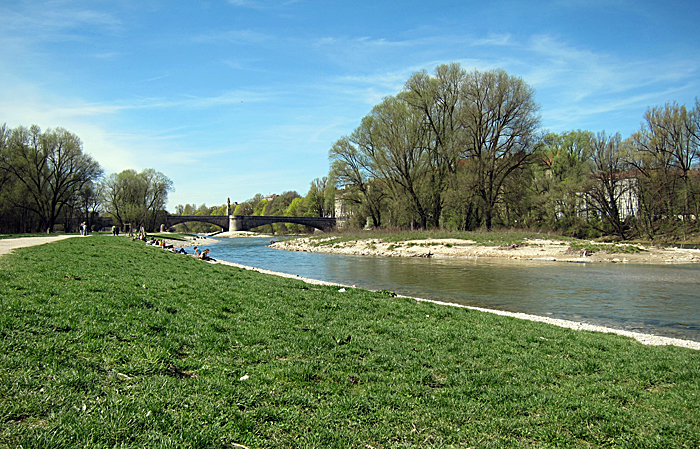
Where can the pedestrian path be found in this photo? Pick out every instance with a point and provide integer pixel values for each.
(7, 245)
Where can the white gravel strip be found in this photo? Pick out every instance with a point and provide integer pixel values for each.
(647, 339)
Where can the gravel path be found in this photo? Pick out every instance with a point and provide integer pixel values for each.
(7, 245)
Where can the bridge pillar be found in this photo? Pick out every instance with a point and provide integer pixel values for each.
(235, 224)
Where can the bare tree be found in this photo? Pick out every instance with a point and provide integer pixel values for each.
(668, 148)
(611, 190)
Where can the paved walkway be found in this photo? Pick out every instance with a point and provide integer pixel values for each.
(7, 245)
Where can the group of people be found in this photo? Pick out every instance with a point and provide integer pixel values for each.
(141, 236)
(83, 228)
(204, 255)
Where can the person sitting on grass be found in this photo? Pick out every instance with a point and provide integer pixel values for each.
(205, 255)
(196, 251)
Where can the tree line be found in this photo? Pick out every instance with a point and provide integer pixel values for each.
(465, 150)
(48, 183)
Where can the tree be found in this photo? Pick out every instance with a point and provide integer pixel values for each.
(156, 194)
(295, 209)
(397, 150)
(499, 123)
(412, 147)
(353, 172)
(565, 164)
(50, 167)
(137, 198)
(439, 101)
(89, 201)
(611, 190)
(667, 150)
(315, 200)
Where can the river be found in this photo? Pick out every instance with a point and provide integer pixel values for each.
(657, 299)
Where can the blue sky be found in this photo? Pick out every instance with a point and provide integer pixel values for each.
(230, 98)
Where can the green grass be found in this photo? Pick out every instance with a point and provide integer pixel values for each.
(495, 238)
(108, 343)
(606, 248)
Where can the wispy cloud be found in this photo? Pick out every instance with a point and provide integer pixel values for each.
(580, 84)
(262, 4)
(108, 55)
(51, 21)
(239, 36)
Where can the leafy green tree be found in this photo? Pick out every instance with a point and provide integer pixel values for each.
(397, 151)
(295, 209)
(560, 178)
(260, 207)
(47, 170)
(137, 198)
(278, 207)
(315, 201)
(438, 100)
(500, 123)
(244, 208)
(480, 127)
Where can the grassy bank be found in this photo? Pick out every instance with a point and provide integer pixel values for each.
(494, 238)
(109, 343)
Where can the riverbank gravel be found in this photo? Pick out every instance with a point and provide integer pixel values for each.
(535, 249)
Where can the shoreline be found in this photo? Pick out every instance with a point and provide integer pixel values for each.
(646, 339)
(536, 250)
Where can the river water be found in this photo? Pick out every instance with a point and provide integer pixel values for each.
(657, 299)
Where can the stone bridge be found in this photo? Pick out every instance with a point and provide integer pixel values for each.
(218, 220)
(248, 222)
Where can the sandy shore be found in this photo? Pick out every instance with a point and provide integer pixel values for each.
(542, 250)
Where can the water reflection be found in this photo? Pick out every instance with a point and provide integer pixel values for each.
(659, 299)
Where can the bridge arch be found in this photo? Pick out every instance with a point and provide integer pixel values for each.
(217, 220)
(248, 222)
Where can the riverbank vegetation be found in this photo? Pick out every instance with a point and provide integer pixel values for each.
(48, 183)
(458, 150)
(464, 150)
(109, 343)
